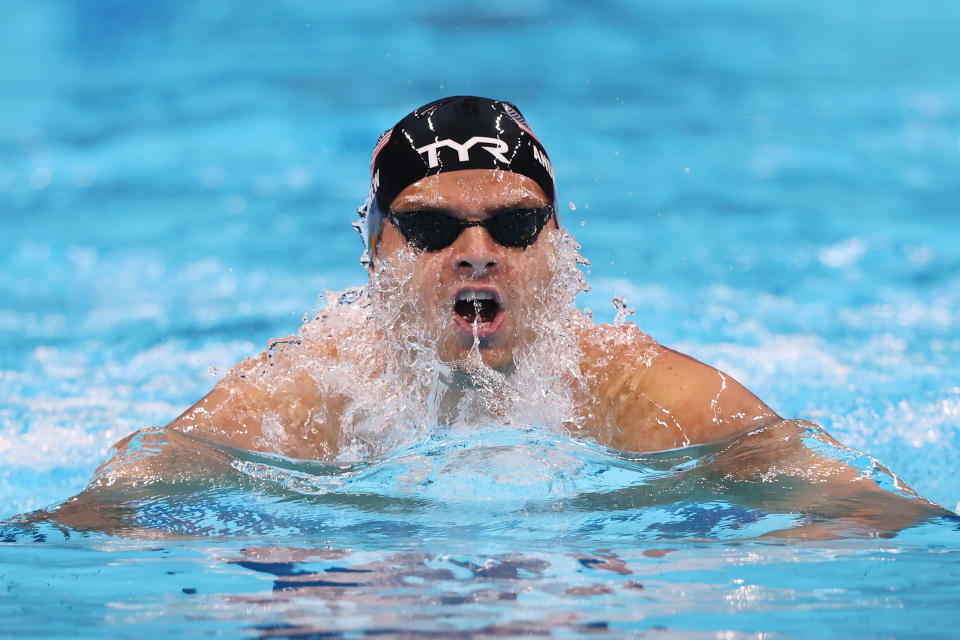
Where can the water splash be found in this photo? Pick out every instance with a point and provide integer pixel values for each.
(494, 482)
(430, 443)
(623, 310)
(382, 365)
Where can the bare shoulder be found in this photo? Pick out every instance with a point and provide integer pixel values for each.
(645, 396)
(273, 401)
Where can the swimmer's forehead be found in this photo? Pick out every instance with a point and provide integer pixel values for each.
(471, 192)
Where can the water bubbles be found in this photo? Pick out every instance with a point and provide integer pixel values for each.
(843, 254)
(40, 178)
(83, 176)
(212, 177)
(298, 178)
(83, 259)
(386, 373)
(928, 105)
(623, 311)
(920, 256)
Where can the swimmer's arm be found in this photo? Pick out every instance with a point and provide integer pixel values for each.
(833, 487)
(226, 415)
(143, 457)
(286, 415)
(708, 403)
(671, 400)
(835, 494)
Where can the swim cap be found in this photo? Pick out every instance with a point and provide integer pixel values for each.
(450, 134)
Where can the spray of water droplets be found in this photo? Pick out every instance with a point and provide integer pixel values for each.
(386, 381)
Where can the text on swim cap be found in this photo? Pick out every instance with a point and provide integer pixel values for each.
(545, 161)
(463, 150)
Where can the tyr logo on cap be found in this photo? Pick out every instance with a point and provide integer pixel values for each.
(486, 134)
(463, 150)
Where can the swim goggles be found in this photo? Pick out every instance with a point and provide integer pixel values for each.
(430, 230)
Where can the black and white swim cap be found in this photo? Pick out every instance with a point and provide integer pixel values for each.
(451, 134)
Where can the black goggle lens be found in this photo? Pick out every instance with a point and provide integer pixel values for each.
(435, 230)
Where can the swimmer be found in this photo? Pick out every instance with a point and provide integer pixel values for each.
(465, 187)
(468, 321)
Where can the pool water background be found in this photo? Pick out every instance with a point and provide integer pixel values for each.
(772, 187)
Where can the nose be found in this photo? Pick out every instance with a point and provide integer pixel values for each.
(474, 253)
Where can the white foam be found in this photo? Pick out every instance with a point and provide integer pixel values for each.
(918, 424)
(68, 412)
(48, 446)
(394, 372)
(793, 356)
(843, 254)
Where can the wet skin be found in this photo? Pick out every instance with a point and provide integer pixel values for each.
(475, 262)
(638, 394)
(631, 393)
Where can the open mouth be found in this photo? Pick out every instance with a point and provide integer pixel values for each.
(478, 310)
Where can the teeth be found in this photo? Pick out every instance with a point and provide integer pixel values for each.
(475, 295)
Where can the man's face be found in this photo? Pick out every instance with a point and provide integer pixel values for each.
(476, 288)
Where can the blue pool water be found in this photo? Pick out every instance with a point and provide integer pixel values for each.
(772, 188)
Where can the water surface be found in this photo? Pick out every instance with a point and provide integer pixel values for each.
(771, 188)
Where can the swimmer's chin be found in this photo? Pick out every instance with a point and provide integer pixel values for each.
(461, 356)
(465, 374)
